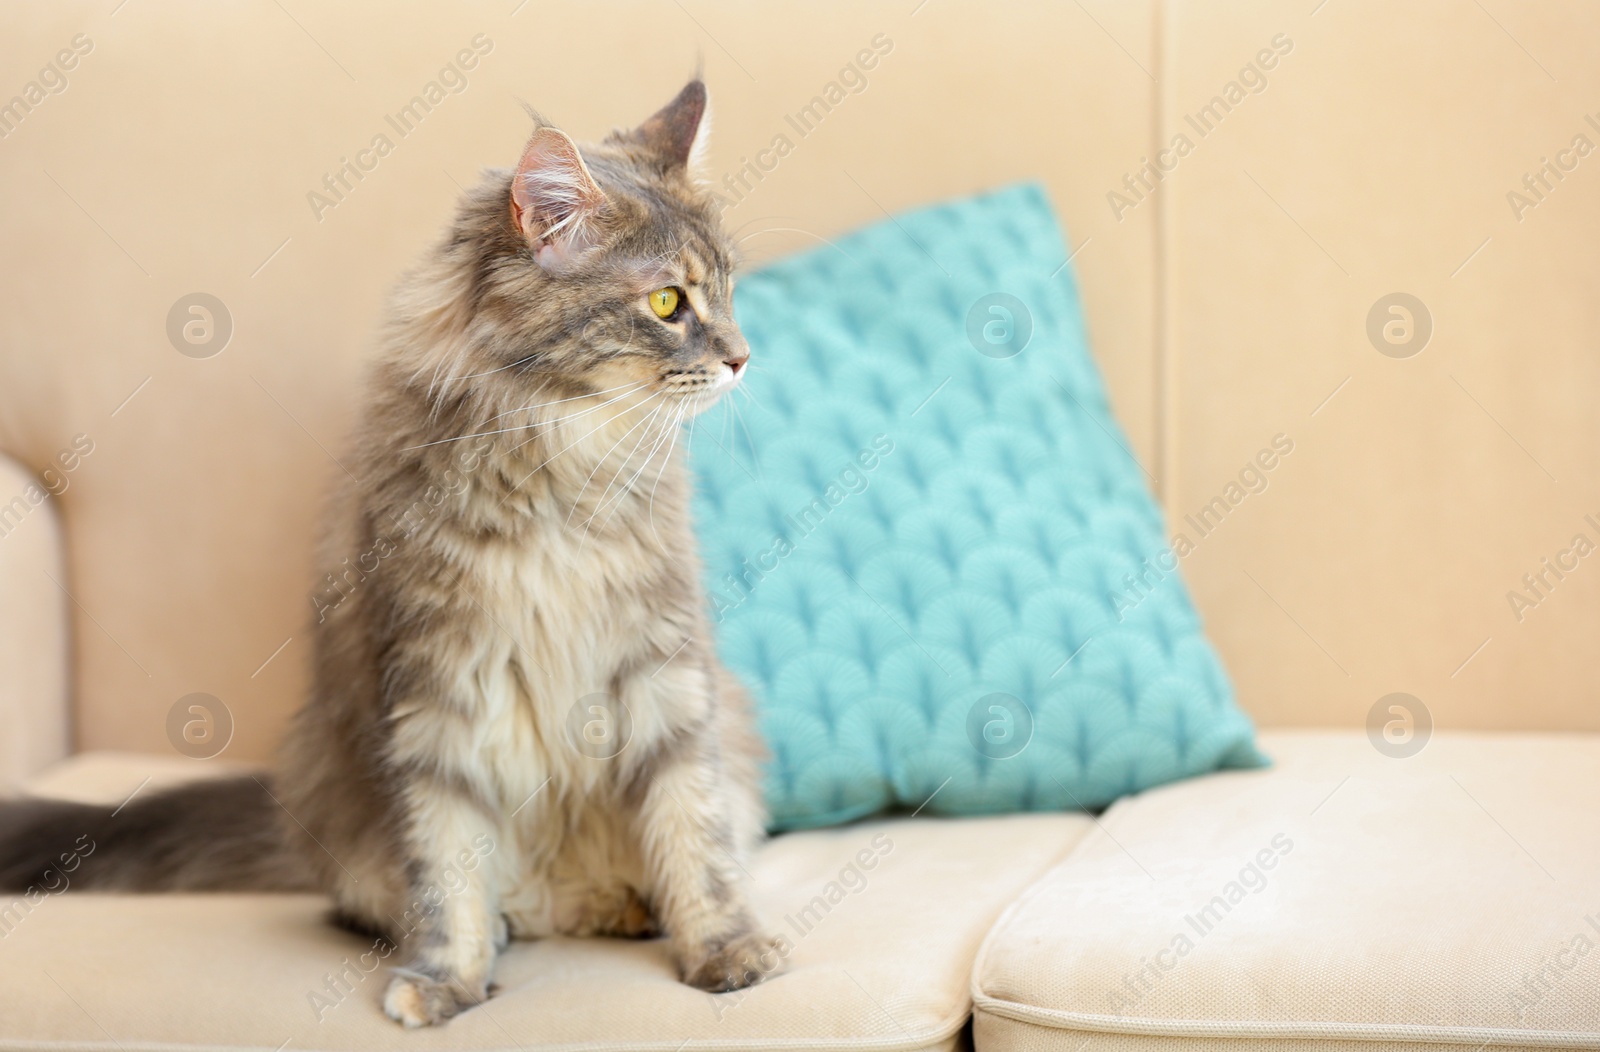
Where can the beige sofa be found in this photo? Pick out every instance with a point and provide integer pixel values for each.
(1420, 540)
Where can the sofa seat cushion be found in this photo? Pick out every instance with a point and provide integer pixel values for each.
(101, 777)
(1338, 900)
(881, 957)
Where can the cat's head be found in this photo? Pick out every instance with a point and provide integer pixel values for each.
(616, 274)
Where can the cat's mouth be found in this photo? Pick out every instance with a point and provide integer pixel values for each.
(703, 385)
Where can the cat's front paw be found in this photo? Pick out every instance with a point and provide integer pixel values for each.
(734, 964)
(414, 999)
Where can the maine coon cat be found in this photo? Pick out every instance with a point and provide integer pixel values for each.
(518, 724)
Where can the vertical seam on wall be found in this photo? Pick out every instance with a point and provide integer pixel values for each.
(1164, 366)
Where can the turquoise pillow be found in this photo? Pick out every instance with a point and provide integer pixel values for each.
(928, 550)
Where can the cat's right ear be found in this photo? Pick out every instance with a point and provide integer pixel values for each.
(555, 202)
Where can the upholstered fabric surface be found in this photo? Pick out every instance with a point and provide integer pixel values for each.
(1340, 900)
(931, 555)
(101, 777)
(881, 919)
(34, 714)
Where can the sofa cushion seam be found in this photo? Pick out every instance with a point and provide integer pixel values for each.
(1198, 1028)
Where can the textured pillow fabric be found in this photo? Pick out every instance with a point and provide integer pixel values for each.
(928, 550)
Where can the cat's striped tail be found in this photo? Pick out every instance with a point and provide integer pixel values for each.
(211, 835)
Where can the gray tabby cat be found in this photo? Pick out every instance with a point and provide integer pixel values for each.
(518, 725)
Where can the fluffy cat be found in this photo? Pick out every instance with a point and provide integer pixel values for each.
(518, 724)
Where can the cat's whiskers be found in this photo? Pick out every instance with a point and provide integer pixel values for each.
(650, 504)
(578, 498)
(534, 424)
(557, 401)
(686, 405)
(668, 437)
(734, 233)
(750, 396)
(654, 435)
(551, 459)
(491, 372)
(434, 383)
(796, 230)
(733, 407)
(600, 504)
(727, 427)
(661, 438)
(663, 255)
(546, 425)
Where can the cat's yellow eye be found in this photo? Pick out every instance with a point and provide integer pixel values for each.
(664, 302)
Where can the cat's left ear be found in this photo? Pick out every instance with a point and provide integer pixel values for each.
(677, 133)
(555, 201)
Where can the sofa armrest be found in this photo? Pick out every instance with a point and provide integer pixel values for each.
(34, 704)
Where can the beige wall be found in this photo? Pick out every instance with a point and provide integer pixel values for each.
(179, 159)
(1378, 160)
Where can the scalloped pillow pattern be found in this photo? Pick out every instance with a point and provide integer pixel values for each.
(928, 550)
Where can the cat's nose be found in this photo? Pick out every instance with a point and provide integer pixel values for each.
(734, 351)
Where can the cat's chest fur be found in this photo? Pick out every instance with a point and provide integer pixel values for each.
(561, 617)
(571, 629)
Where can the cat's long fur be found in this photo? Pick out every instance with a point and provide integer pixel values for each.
(511, 594)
